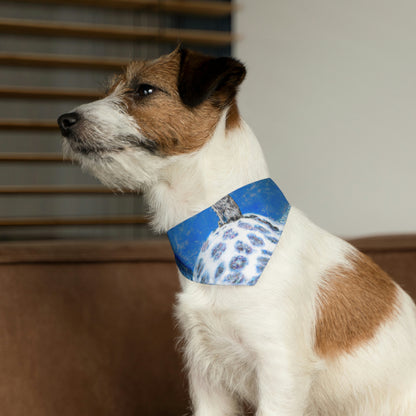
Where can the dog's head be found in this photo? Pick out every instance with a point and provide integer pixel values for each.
(154, 111)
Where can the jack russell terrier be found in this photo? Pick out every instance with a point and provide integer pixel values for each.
(275, 312)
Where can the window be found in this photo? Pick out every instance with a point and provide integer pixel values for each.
(55, 55)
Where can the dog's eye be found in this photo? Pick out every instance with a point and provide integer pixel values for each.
(143, 90)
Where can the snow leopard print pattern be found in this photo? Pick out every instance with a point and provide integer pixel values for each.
(237, 252)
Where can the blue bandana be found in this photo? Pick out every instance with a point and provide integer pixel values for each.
(231, 242)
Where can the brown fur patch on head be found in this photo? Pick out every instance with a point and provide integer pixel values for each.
(165, 121)
(353, 303)
(233, 116)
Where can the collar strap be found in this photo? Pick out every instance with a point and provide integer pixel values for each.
(231, 242)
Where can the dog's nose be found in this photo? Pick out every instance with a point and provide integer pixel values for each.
(67, 121)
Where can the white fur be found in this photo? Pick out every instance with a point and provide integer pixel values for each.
(107, 121)
(257, 343)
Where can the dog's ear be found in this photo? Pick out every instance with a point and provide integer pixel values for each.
(202, 77)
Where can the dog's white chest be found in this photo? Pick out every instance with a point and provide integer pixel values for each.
(215, 342)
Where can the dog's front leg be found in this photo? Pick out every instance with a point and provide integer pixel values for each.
(209, 399)
(283, 385)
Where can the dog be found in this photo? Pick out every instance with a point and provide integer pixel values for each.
(324, 331)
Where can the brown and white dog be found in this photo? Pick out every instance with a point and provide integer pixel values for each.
(324, 331)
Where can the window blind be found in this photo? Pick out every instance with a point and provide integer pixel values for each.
(55, 55)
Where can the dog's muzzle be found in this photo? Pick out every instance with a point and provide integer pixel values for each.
(67, 123)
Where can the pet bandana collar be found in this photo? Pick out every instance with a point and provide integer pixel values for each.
(231, 242)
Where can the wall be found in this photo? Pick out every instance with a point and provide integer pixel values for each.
(331, 95)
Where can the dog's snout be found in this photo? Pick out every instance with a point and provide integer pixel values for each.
(67, 121)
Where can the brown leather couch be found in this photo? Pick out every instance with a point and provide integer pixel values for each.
(86, 328)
